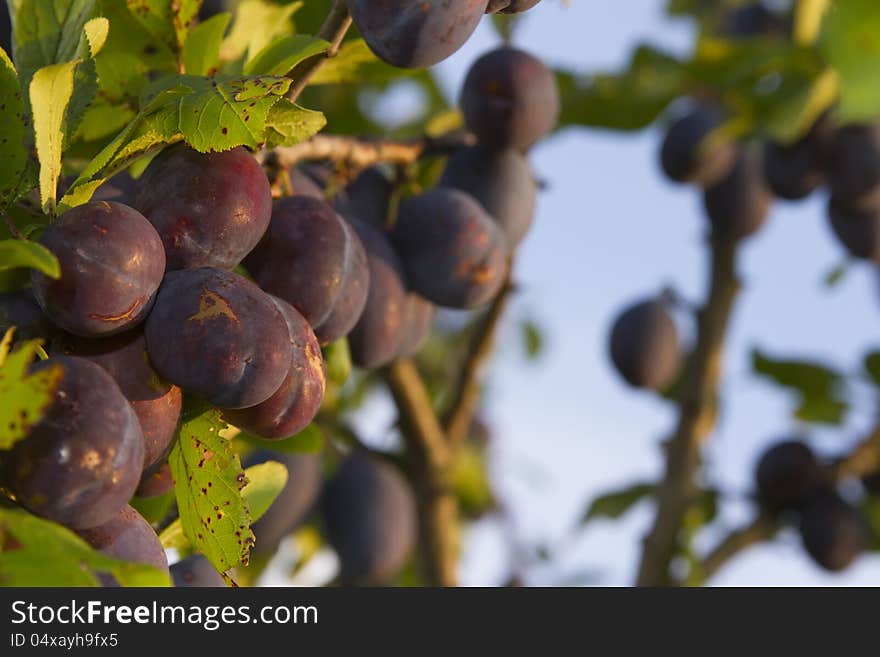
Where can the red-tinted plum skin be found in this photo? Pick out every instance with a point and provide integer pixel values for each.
(416, 33)
(418, 319)
(80, 464)
(156, 481)
(501, 181)
(156, 403)
(210, 209)
(196, 571)
(312, 259)
(453, 253)
(128, 537)
(217, 335)
(294, 405)
(737, 205)
(369, 514)
(294, 502)
(376, 338)
(510, 99)
(111, 266)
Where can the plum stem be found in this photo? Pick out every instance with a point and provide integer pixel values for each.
(332, 30)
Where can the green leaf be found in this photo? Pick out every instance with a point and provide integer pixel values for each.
(629, 101)
(23, 253)
(47, 32)
(265, 483)
(57, 110)
(356, 63)
(167, 22)
(308, 441)
(337, 361)
(850, 43)
(257, 23)
(217, 114)
(36, 552)
(533, 339)
(837, 274)
(201, 52)
(25, 396)
(153, 509)
(208, 486)
(817, 386)
(130, 58)
(352, 57)
(288, 124)
(470, 481)
(613, 505)
(143, 135)
(14, 137)
(282, 55)
(872, 366)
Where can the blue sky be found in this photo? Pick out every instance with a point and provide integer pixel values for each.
(608, 230)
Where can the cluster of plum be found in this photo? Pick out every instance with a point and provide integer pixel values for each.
(792, 483)
(739, 182)
(194, 282)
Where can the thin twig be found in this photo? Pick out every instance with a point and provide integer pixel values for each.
(863, 459)
(762, 528)
(430, 459)
(333, 31)
(466, 399)
(697, 406)
(361, 153)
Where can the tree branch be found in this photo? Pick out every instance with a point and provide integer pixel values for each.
(762, 528)
(362, 153)
(863, 459)
(466, 400)
(333, 31)
(430, 458)
(697, 406)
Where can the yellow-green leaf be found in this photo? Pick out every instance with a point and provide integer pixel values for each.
(23, 253)
(50, 90)
(280, 56)
(201, 51)
(265, 483)
(25, 396)
(36, 552)
(208, 486)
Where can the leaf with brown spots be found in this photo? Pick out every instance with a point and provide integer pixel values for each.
(25, 396)
(209, 479)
